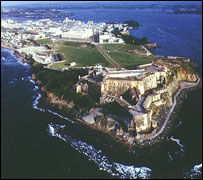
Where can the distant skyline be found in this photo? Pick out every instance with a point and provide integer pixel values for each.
(14, 3)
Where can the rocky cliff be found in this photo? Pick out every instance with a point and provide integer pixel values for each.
(53, 99)
(181, 75)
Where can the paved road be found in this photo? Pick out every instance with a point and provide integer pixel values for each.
(171, 110)
(107, 57)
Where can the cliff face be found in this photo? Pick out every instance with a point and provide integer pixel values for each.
(182, 75)
(161, 97)
(51, 98)
(150, 82)
(173, 86)
(55, 100)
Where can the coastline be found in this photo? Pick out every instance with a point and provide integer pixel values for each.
(101, 132)
(172, 109)
(157, 137)
(16, 53)
(46, 144)
(171, 115)
(7, 47)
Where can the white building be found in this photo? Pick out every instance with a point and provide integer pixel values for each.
(72, 63)
(78, 34)
(109, 38)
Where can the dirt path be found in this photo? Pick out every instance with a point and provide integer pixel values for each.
(107, 57)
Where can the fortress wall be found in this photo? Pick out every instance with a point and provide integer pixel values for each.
(155, 97)
(161, 73)
(172, 86)
(143, 121)
(116, 87)
(160, 90)
(149, 99)
(147, 102)
(150, 82)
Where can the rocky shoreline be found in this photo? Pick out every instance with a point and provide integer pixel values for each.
(138, 150)
(16, 53)
(145, 144)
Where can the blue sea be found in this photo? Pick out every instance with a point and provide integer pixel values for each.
(39, 143)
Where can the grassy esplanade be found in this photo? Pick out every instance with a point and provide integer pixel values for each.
(43, 41)
(84, 54)
(120, 54)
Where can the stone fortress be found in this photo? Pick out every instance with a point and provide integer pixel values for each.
(148, 87)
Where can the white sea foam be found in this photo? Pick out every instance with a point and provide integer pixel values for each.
(194, 172)
(36, 88)
(36, 101)
(180, 122)
(3, 58)
(114, 168)
(19, 60)
(177, 141)
(170, 157)
(33, 82)
(197, 168)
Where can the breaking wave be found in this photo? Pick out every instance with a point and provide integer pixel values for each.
(36, 101)
(170, 157)
(177, 141)
(114, 168)
(3, 59)
(195, 172)
(180, 122)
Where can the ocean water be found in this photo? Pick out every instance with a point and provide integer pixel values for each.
(39, 143)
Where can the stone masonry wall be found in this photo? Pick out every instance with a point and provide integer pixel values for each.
(116, 87)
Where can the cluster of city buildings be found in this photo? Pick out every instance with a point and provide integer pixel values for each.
(19, 35)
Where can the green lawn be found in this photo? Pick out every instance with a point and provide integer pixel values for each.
(43, 41)
(120, 54)
(127, 47)
(128, 60)
(84, 54)
(119, 47)
(111, 47)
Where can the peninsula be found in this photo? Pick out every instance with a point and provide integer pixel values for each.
(100, 75)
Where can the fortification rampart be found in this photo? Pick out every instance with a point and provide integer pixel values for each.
(116, 87)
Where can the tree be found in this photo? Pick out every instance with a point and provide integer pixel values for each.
(116, 32)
